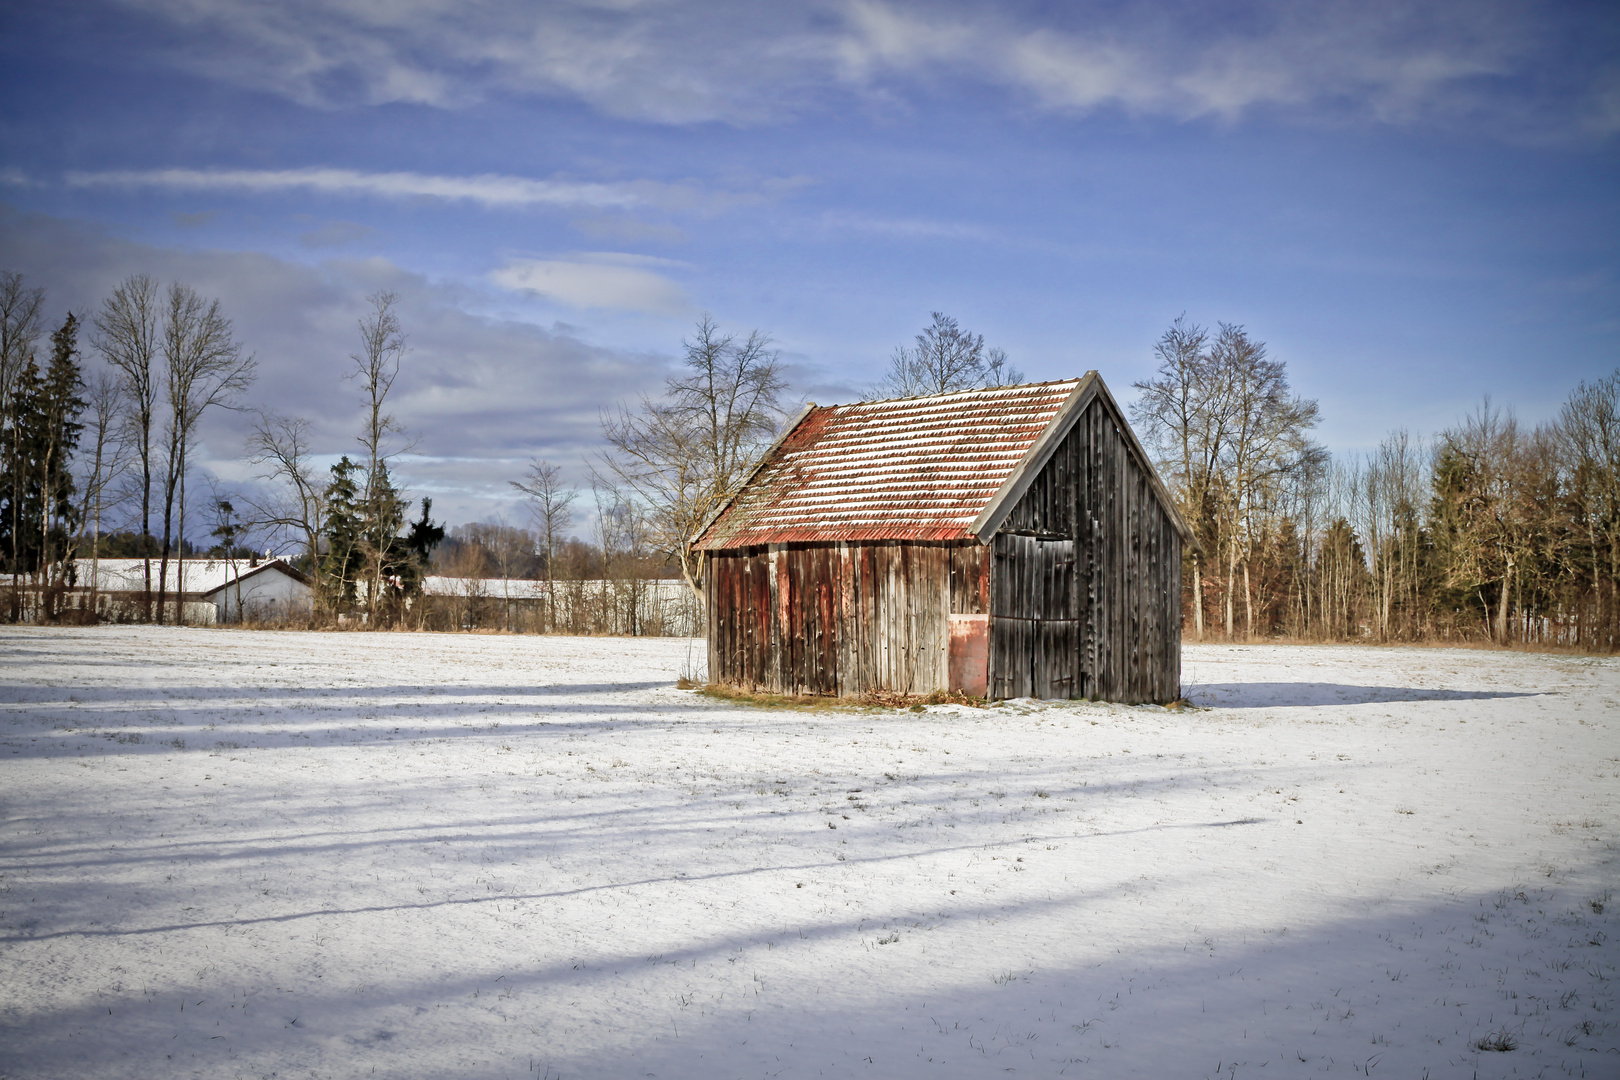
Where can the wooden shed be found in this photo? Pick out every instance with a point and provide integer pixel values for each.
(1012, 541)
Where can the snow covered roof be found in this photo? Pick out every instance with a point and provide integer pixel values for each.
(504, 588)
(518, 588)
(942, 467)
(201, 575)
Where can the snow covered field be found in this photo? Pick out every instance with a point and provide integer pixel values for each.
(322, 855)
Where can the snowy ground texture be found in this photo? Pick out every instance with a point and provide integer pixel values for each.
(318, 855)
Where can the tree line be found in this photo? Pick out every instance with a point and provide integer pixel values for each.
(1488, 531)
(171, 358)
(115, 447)
(81, 448)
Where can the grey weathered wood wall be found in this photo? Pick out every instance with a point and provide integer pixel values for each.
(1086, 578)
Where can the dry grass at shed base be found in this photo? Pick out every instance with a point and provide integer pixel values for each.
(872, 699)
(889, 699)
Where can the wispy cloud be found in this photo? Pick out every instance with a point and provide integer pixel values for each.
(1390, 61)
(597, 280)
(747, 63)
(488, 189)
(910, 228)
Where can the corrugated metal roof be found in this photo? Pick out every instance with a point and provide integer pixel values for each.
(911, 469)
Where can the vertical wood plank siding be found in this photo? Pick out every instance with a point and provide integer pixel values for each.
(1082, 584)
(1099, 618)
(840, 619)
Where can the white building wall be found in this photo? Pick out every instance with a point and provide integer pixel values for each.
(269, 594)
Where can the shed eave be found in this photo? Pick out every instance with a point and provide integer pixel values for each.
(842, 534)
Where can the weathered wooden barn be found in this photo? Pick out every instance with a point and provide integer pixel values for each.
(1011, 541)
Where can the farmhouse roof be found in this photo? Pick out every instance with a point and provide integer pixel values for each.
(280, 566)
(202, 576)
(942, 467)
(524, 588)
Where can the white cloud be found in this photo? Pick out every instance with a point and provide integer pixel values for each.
(488, 189)
(910, 228)
(1391, 61)
(664, 62)
(743, 62)
(597, 280)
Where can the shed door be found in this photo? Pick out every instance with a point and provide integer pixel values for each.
(1034, 618)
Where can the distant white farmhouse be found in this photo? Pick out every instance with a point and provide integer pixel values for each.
(215, 590)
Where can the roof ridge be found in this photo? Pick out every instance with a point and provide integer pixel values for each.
(955, 393)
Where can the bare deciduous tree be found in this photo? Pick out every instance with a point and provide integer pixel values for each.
(21, 310)
(205, 368)
(1234, 440)
(551, 501)
(625, 537)
(1268, 449)
(126, 335)
(1386, 518)
(280, 447)
(1180, 413)
(376, 366)
(683, 455)
(944, 358)
(1589, 430)
(998, 370)
(109, 457)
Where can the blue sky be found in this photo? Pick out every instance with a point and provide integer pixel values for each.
(1414, 205)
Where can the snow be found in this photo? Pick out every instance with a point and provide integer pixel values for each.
(227, 853)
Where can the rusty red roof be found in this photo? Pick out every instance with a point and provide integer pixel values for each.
(919, 468)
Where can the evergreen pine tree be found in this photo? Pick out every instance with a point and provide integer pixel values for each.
(341, 562)
(39, 517)
(415, 551)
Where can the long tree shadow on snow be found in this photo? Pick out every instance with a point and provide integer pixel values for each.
(581, 828)
(1262, 695)
(1151, 1010)
(817, 864)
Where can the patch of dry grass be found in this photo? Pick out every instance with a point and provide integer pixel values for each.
(872, 699)
(760, 699)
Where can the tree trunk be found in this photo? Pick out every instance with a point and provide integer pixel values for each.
(163, 558)
(1231, 585)
(1504, 604)
(180, 565)
(146, 527)
(1384, 601)
(1248, 603)
(1198, 596)
(95, 559)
